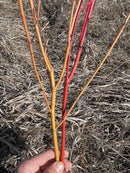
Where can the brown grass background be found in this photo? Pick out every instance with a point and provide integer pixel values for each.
(98, 127)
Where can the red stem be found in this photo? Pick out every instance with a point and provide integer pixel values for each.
(82, 36)
(64, 110)
(66, 88)
(69, 77)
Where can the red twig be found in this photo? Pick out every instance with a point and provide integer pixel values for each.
(82, 35)
(38, 11)
(69, 77)
(64, 110)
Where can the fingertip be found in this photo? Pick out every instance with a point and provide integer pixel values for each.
(56, 167)
(59, 167)
(68, 165)
(66, 153)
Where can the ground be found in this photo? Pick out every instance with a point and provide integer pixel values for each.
(98, 127)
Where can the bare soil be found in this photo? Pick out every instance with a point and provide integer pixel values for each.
(98, 128)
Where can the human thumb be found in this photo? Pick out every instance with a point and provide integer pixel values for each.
(56, 167)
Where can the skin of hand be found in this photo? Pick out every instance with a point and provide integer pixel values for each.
(44, 163)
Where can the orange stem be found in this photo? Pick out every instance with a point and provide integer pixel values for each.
(68, 46)
(31, 50)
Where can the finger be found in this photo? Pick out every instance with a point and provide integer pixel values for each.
(25, 167)
(67, 171)
(68, 165)
(56, 167)
(34, 164)
(43, 157)
(49, 162)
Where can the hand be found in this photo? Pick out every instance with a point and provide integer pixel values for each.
(44, 163)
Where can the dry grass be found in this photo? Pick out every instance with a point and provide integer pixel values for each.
(99, 126)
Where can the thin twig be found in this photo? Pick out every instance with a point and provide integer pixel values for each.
(68, 46)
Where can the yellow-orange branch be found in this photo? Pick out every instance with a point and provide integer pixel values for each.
(68, 46)
(53, 99)
(47, 62)
(75, 15)
(31, 50)
(52, 79)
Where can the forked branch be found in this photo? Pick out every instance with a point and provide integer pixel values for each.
(68, 46)
(31, 51)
